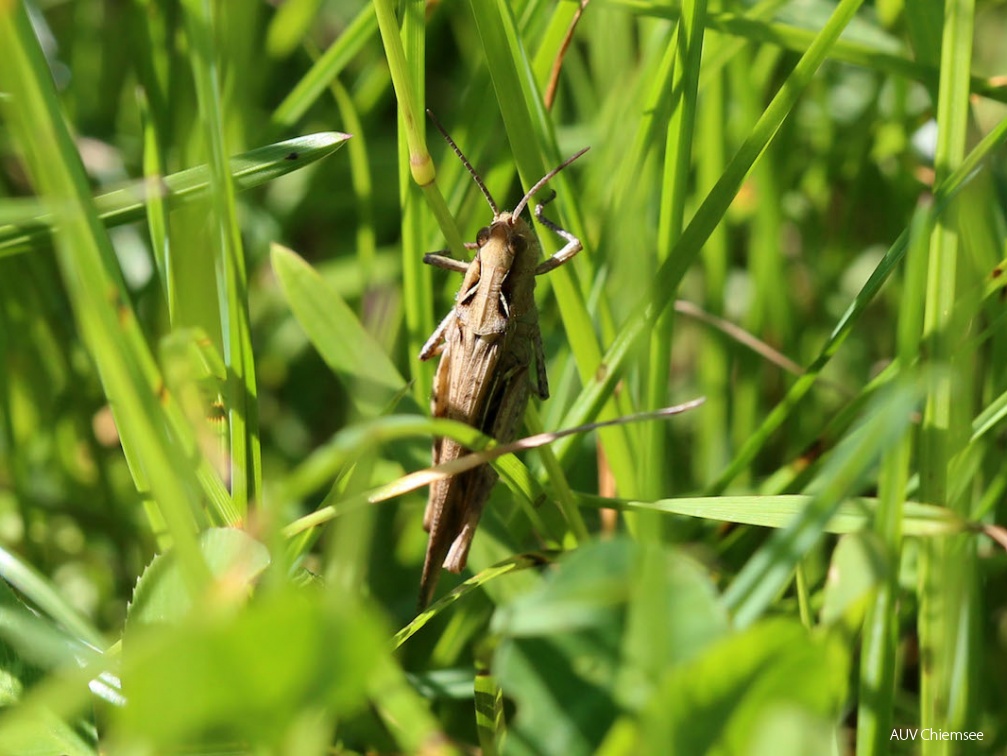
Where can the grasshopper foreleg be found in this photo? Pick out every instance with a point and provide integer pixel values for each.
(572, 247)
(440, 260)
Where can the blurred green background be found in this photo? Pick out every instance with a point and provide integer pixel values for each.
(792, 208)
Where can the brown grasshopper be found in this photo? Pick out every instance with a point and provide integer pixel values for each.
(486, 344)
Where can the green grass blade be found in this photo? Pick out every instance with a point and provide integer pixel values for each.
(708, 215)
(369, 376)
(877, 665)
(780, 511)
(90, 274)
(129, 203)
(244, 453)
(307, 91)
(947, 574)
(44, 596)
(757, 585)
(677, 169)
(944, 194)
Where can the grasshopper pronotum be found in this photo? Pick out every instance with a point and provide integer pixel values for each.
(486, 344)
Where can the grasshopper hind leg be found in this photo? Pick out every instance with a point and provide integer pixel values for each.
(480, 484)
(453, 512)
(441, 538)
(435, 344)
(541, 376)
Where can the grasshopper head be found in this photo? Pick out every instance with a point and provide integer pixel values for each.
(503, 241)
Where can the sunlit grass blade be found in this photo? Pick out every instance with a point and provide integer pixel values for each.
(886, 420)
(371, 379)
(44, 596)
(519, 562)
(709, 214)
(128, 204)
(948, 570)
(779, 511)
(232, 285)
(87, 263)
(327, 67)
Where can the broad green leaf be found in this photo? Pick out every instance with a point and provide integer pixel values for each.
(235, 560)
(857, 569)
(368, 375)
(247, 677)
(577, 651)
(716, 703)
(788, 728)
(39, 733)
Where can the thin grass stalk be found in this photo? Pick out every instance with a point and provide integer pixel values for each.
(876, 699)
(154, 169)
(654, 468)
(412, 131)
(242, 407)
(87, 263)
(946, 569)
(713, 363)
(408, 79)
(328, 66)
(708, 216)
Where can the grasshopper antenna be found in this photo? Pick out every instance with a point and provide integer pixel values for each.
(465, 162)
(542, 182)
